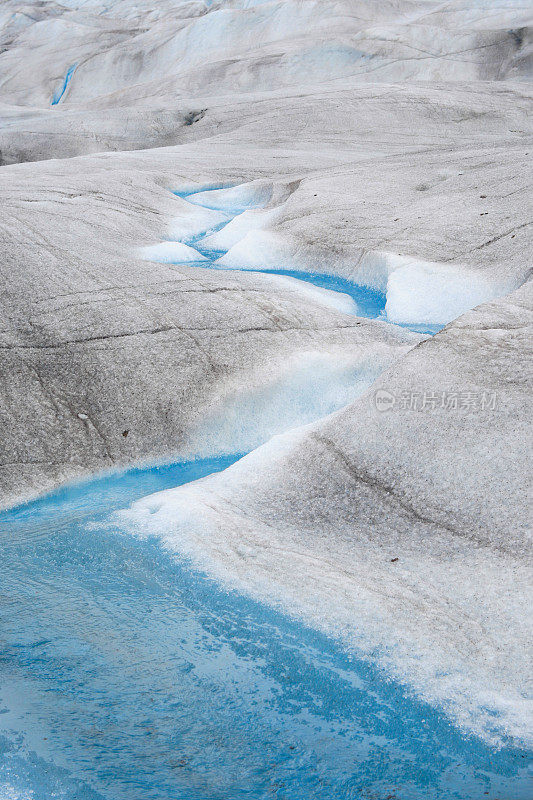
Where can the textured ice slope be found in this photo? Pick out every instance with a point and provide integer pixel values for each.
(119, 359)
(403, 531)
(156, 74)
(274, 549)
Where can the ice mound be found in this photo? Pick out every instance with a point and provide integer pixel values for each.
(238, 228)
(194, 221)
(236, 198)
(170, 253)
(260, 250)
(435, 293)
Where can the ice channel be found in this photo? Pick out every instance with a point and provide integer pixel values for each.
(126, 674)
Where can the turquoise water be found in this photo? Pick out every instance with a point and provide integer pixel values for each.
(370, 302)
(126, 675)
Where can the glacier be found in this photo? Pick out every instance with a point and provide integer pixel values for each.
(265, 399)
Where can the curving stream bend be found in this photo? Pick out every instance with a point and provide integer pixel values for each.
(127, 675)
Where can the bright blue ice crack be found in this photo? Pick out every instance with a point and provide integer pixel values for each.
(60, 92)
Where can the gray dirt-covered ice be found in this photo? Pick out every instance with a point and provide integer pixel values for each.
(387, 142)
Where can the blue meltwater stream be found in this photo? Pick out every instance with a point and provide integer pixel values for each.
(58, 94)
(127, 675)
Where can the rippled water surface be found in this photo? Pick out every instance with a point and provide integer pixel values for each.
(126, 675)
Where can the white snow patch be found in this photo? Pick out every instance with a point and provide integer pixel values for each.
(436, 293)
(171, 253)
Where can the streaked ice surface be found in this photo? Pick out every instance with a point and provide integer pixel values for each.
(309, 387)
(126, 674)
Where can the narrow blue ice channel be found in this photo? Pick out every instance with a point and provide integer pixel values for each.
(126, 675)
(370, 302)
(58, 94)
